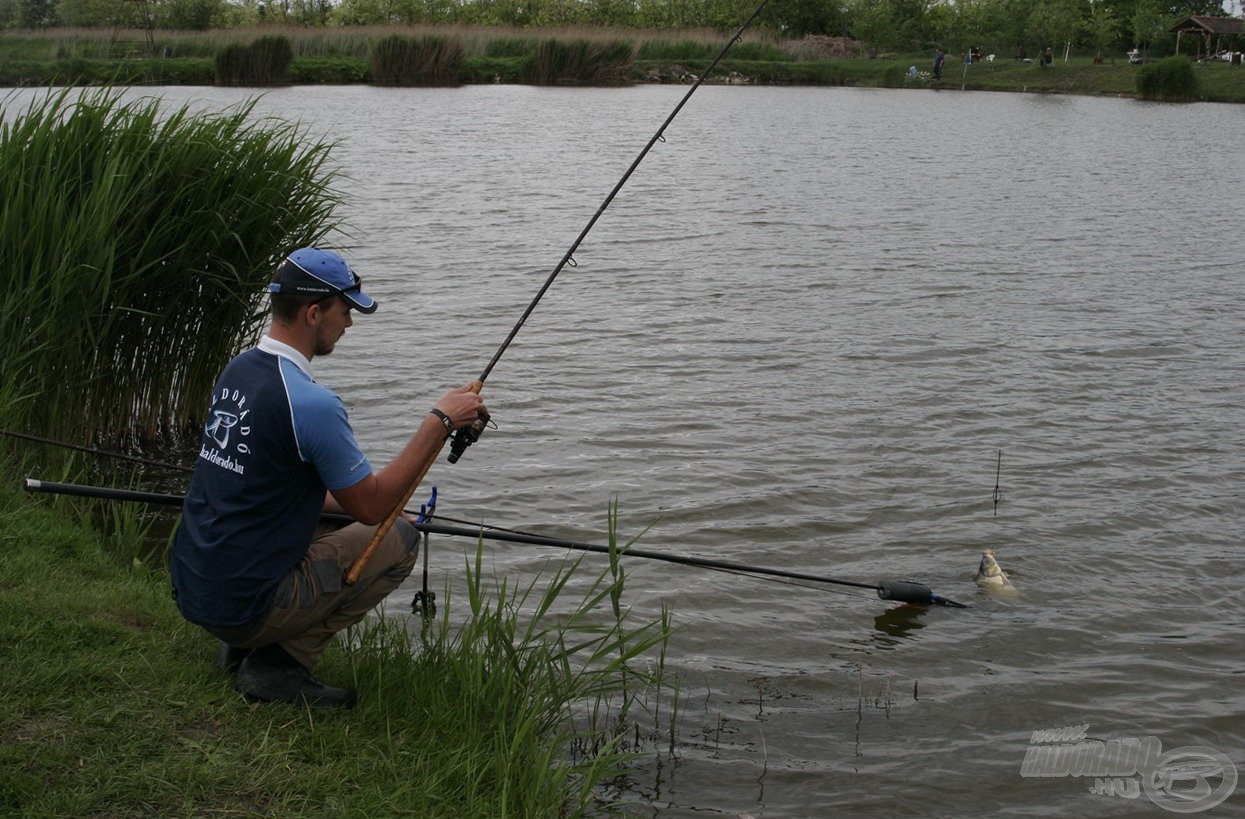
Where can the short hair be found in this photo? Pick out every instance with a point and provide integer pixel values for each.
(285, 306)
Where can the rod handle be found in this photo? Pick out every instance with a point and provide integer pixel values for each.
(360, 563)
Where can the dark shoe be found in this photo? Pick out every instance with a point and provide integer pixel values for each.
(228, 658)
(269, 674)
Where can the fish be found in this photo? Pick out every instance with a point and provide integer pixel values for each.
(990, 574)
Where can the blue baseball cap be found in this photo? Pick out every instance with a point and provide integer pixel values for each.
(310, 271)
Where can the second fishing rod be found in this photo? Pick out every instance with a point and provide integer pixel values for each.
(900, 591)
(463, 438)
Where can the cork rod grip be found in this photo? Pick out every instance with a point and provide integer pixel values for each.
(360, 563)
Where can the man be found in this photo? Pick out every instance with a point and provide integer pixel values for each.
(938, 61)
(251, 562)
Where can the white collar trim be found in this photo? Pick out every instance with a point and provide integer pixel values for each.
(270, 345)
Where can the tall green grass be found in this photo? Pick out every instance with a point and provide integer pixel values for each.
(582, 62)
(410, 61)
(136, 244)
(537, 688)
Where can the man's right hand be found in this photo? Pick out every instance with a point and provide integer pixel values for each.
(463, 406)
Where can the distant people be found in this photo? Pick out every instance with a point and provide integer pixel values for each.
(1020, 52)
(1048, 56)
(938, 61)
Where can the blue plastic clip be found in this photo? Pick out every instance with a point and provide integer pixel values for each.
(426, 510)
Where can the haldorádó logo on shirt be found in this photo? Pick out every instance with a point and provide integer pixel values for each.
(214, 457)
(228, 414)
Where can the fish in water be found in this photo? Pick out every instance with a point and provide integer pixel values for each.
(991, 574)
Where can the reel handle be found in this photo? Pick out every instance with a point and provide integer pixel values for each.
(462, 438)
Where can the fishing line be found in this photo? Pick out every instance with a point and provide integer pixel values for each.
(997, 496)
(462, 438)
(465, 437)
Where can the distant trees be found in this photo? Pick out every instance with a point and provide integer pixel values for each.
(1102, 28)
(998, 26)
(192, 15)
(34, 13)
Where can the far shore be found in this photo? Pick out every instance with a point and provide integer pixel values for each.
(38, 59)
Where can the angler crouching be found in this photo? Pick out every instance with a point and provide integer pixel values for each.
(251, 562)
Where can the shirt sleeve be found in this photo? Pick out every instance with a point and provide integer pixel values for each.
(326, 440)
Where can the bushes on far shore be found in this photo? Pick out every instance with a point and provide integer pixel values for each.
(492, 55)
(1173, 80)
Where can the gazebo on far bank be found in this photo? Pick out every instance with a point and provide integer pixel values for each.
(1216, 28)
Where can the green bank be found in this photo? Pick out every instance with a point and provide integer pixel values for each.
(439, 56)
(111, 707)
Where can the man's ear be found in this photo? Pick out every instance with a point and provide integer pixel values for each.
(312, 313)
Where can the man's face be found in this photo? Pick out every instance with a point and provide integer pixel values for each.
(334, 317)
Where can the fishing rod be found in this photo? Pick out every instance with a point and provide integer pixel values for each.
(901, 591)
(95, 451)
(462, 438)
(568, 258)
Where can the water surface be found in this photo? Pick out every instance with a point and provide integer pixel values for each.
(800, 338)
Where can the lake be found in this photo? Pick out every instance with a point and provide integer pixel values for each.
(813, 332)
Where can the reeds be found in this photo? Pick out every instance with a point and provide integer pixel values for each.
(1171, 80)
(136, 245)
(692, 50)
(413, 61)
(266, 61)
(582, 62)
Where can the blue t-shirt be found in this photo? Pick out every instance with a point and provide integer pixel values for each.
(273, 442)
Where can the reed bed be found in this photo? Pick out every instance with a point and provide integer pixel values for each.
(581, 62)
(669, 49)
(353, 41)
(266, 61)
(137, 243)
(412, 61)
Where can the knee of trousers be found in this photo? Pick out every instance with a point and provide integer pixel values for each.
(409, 537)
(408, 534)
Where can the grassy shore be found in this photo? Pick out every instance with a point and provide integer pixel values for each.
(341, 56)
(110, 706)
